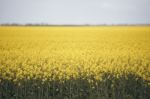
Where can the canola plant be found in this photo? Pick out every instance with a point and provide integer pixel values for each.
(75, 62)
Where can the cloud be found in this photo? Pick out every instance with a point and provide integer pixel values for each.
(75, 11)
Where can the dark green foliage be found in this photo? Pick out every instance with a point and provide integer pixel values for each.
(124, 87)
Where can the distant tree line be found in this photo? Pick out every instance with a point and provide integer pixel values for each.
(46, 24)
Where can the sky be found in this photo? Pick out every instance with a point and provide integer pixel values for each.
(75, 11)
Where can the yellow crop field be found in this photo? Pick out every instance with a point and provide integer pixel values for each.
(101, 62)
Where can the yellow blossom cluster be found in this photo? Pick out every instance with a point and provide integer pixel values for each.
(65, 54)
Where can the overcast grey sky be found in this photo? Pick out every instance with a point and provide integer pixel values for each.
(75, 11)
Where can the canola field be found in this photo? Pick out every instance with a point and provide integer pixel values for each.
(101, 62)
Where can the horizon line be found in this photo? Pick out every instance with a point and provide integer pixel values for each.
(45, 24)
